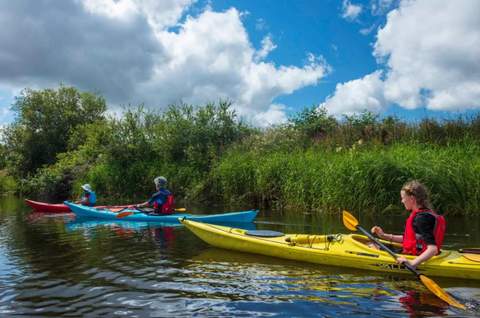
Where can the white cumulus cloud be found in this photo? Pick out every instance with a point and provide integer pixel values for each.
(205, 62)
(350, 11)
(274, 115)
(267, 47)
(357, 95)
(145, 51)
(430, 50)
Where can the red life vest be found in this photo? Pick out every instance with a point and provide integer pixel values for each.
(167, 207)
(410, 240)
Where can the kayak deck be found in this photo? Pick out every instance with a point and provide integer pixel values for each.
(347, 250)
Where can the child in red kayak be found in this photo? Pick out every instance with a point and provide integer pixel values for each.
(424, 229)
(161, 201)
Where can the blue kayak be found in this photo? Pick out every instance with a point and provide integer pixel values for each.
(82, 211)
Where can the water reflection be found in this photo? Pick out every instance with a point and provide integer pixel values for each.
(57, 266)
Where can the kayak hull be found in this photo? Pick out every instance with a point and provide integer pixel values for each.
(106, 214)
(346, 250)
(47, 207)
(59, 208)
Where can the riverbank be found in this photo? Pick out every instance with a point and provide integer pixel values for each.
(314, 163)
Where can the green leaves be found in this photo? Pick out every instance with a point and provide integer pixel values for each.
(46, 119)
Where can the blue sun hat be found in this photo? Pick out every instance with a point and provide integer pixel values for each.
(87, 187)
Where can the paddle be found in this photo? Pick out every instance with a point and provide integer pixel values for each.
(351, 223)
(127, 213)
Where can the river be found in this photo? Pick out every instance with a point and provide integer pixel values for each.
(54, 265)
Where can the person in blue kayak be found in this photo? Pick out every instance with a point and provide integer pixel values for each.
(424, 228)
(89, 197)
(161, 201)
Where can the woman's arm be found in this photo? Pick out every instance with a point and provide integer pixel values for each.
(429, 252)
(393, 238)
(387, 237)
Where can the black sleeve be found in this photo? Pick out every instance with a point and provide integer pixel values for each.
(424, 224)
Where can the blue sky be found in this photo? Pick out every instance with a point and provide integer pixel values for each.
(271, 58)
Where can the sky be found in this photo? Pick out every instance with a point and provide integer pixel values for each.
(270, 58)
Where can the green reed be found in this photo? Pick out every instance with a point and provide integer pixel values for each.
(367, 178)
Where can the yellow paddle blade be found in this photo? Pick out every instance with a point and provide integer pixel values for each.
(180, 210)
(439, 292)
(349, 221)
(124, 214)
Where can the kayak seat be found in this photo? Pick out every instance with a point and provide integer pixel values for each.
(264, 233)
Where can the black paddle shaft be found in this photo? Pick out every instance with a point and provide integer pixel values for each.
(386, 249)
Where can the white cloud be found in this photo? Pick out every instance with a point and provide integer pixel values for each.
(357, 95)
(6, 116)
(439, 55)
(380, 7)
(260, 24)
(267, 47)
(159, 14)
(205, 63)
(350, 11)
(126, 51)
(431, 58)
(274, 115)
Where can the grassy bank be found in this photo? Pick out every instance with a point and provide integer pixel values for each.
(365, 178)
(63, 138)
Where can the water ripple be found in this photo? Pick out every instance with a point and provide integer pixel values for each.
(49, 268)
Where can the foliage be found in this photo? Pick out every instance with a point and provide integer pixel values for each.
(7, 183)
(314, 123)
(61, 139)
(45, 120)
(121, 156)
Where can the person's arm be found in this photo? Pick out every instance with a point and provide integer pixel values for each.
(144, 204)
(84, 200)
(387, 237)
(147, 203)
(424, 225)
(429, 252)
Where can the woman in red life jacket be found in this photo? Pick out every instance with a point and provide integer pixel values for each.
(424, 229)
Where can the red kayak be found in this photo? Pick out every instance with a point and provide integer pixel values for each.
(62, 208)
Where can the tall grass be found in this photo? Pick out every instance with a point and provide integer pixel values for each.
(365, 179)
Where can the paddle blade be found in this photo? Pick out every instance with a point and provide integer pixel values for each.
(124, 214)
(349, 221)
(180, 210)
(439, 292)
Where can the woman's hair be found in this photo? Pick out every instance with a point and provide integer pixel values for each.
(420, 192)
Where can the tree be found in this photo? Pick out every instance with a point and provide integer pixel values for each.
(314, 122)
(45, 120)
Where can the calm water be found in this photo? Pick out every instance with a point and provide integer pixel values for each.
(56, 266)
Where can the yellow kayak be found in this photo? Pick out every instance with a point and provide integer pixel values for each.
(347, 250)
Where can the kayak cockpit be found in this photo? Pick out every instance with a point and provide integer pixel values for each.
(364, 243)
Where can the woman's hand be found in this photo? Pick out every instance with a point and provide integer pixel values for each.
(402, 260)
(377, 230)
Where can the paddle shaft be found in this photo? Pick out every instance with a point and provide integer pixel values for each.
(125, 214)
(386, 249)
